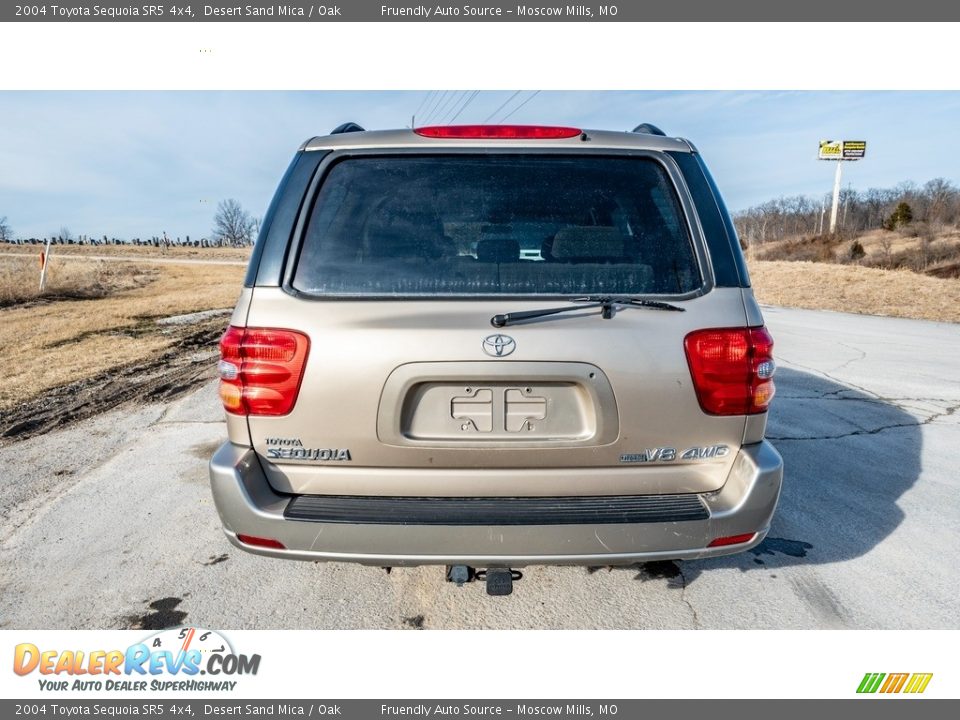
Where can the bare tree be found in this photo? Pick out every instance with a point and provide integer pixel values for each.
(232, 225)
(6, 234)
(937, 203)
(925, 239)
(942, 201)
(886, 244)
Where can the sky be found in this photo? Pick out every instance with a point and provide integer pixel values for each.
(141, 163)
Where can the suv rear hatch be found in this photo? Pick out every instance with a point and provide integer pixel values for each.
(399, 266)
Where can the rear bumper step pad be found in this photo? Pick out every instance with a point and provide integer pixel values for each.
(597, 510)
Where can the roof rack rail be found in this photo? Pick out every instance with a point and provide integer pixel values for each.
(347, 127)
(648, 129)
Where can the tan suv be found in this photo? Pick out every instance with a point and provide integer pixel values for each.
(493, 346)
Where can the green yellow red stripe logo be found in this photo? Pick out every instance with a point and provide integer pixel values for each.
(887, 683)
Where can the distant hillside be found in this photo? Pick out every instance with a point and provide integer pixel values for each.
(907, 227)
(921, 248)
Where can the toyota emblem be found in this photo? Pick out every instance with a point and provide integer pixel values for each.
(499, 345)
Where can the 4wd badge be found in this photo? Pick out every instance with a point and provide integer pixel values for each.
(669, 454)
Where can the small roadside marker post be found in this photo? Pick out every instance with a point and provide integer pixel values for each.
(44, 261)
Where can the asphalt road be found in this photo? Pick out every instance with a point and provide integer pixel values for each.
(110, 523)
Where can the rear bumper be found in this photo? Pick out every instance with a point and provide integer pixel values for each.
(249, 506)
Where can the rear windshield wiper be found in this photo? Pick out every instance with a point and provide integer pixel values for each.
(582, 303)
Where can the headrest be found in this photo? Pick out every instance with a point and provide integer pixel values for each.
(588, 243)
(498, 250)
(405, 237)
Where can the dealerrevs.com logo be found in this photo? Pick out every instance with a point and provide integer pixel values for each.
(180, 659)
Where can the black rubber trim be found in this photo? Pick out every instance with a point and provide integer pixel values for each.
(600, 510)
(729, 267)
(347, 127)
(269, 252)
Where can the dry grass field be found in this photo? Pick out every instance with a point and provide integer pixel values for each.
(73, 279)
(99, 317)
(172, 252)
(856, 289)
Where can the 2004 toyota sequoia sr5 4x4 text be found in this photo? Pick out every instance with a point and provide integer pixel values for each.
(494, 346)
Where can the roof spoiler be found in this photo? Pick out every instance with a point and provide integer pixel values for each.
(347, 127)
(648, 129)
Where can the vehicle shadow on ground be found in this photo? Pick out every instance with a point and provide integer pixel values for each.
(848, 456)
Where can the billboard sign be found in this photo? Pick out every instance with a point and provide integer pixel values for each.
(854, 149)
(842, 149)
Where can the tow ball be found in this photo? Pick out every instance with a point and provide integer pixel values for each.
(499, 581)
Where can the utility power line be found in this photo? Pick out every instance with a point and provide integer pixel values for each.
(454, 108)
(455, 97)
(428, 110)
(487, 118)
(423, 102)
(532, 96)
(432, 107)
(470, 98)
(442, 106)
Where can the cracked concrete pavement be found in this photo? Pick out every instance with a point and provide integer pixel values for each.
(105, 525)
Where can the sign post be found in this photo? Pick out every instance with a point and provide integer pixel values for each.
(840, 151)
(44, 260)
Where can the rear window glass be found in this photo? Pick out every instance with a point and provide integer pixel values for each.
(496, 225)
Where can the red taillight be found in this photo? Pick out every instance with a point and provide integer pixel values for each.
(261, 542)
(732, 540)
(732, 369)
(261, 370)
(498, 132)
